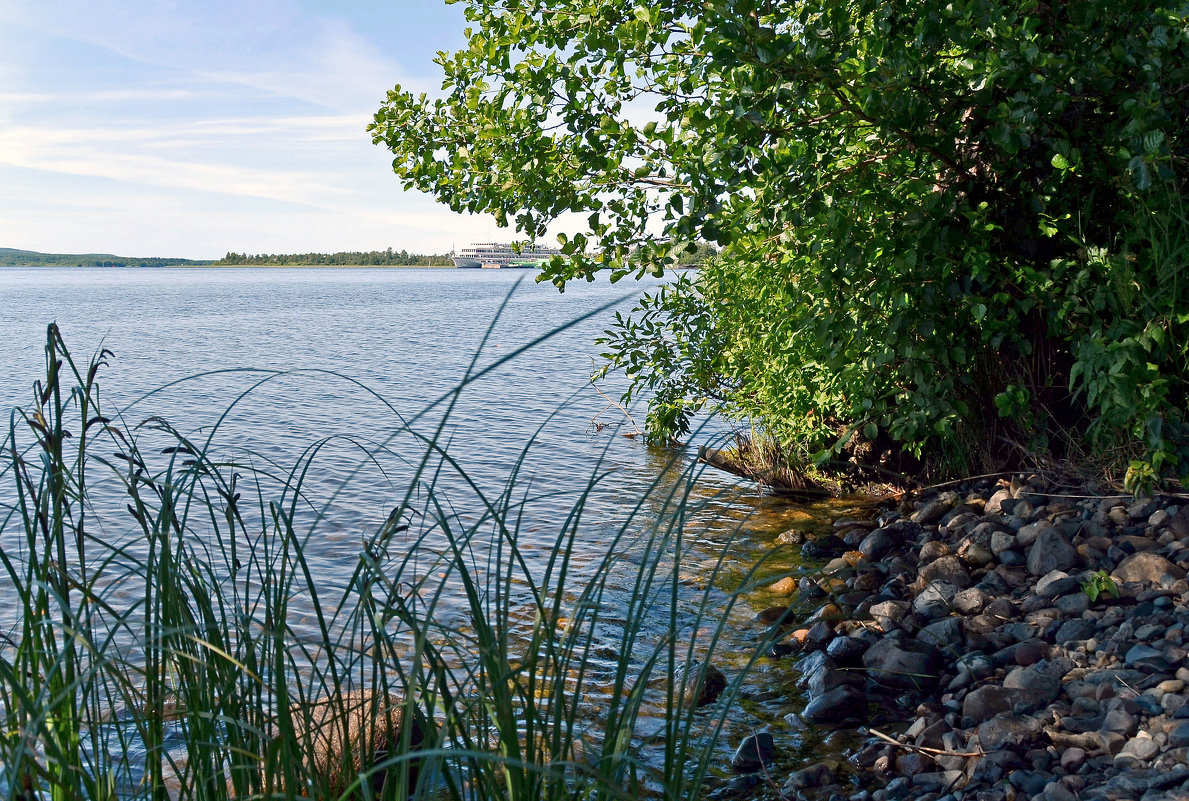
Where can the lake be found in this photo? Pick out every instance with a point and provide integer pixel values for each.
(266, 361)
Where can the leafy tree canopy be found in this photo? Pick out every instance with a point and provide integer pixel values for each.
(957, 228)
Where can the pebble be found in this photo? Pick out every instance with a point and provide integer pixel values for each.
(973, 635)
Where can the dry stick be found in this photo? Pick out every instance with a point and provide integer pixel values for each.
(922, 749)
(617, 406)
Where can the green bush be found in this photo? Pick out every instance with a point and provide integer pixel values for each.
(958, 228)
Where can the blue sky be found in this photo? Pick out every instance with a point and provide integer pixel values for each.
(196, 127)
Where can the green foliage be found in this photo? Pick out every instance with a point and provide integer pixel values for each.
(10, 257)
(371, 258)
(1099, 584)
(960, 225)
(174, 648)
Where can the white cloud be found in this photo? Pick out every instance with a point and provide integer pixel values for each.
(212, 124)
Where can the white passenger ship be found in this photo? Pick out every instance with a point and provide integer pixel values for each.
(494, 255)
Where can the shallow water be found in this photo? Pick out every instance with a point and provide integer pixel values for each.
(347, 357)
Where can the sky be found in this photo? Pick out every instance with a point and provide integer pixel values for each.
(191, 128)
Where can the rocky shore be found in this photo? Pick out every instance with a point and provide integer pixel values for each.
(1002, 640)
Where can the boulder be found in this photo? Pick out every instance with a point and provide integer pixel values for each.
(1178, 524)
(992, 699)
(970, 601)
(699, 683)
(930, 512)
(995, 502)
(1041, 688)
(1009, 731)
(843, 703)
(344, 735)
(936, 600)
(903, 664)
(876, 545)
(948, 569)
(1146, 566)
(1056, 583)
(1051, 551)
(754, 753)
(827, 547)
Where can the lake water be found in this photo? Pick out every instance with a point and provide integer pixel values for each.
(350, 354)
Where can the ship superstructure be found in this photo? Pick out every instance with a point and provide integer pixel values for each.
(497, 255)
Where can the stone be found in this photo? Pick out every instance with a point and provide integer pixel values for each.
(1072, 630)
(948, 569)
(1178, 524)
(785, 586)
(812, 776)
(1074, 604)
(1051, 551)
(934, 600)
(975, 554)
(699, 683)
(1178, 736)
(1056, 791)
(1145, 656)
(888, 614)
(846, 650)
(995, 502)
(754, 753)
(933, 549)
(990, 700)
(1029, 782)
(1137, 751)
(790, 537)
(827, 677)
(1058, 582)
(1002, 541)
(814, 664)
(877, 545)
(827, 547)
(1028, 534)
(1142, 508)
(931, 511)
(1031, 651)
(970, 601)
(903, 664)
(1009, 731)
(937, 780)
(820, 633)
(1012, 558)
(776, 616)
(945, 634)
(1041, 689)
(1146, 566)
(1121, 722)
(352, 732)
(1072, 759)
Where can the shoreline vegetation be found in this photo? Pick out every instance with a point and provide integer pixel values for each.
(184, 647)
(952, 238)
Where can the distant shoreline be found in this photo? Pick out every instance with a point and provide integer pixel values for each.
(205, 265)
(14, 257)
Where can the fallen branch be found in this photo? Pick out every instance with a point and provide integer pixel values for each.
(612, 404)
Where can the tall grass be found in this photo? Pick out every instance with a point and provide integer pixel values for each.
(187, 647)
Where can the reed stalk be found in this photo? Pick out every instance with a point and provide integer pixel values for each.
(159, 653)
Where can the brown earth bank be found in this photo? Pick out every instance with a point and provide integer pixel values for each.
(999, 640)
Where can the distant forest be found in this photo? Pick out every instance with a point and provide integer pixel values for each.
(372, 258)
(11, 257)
